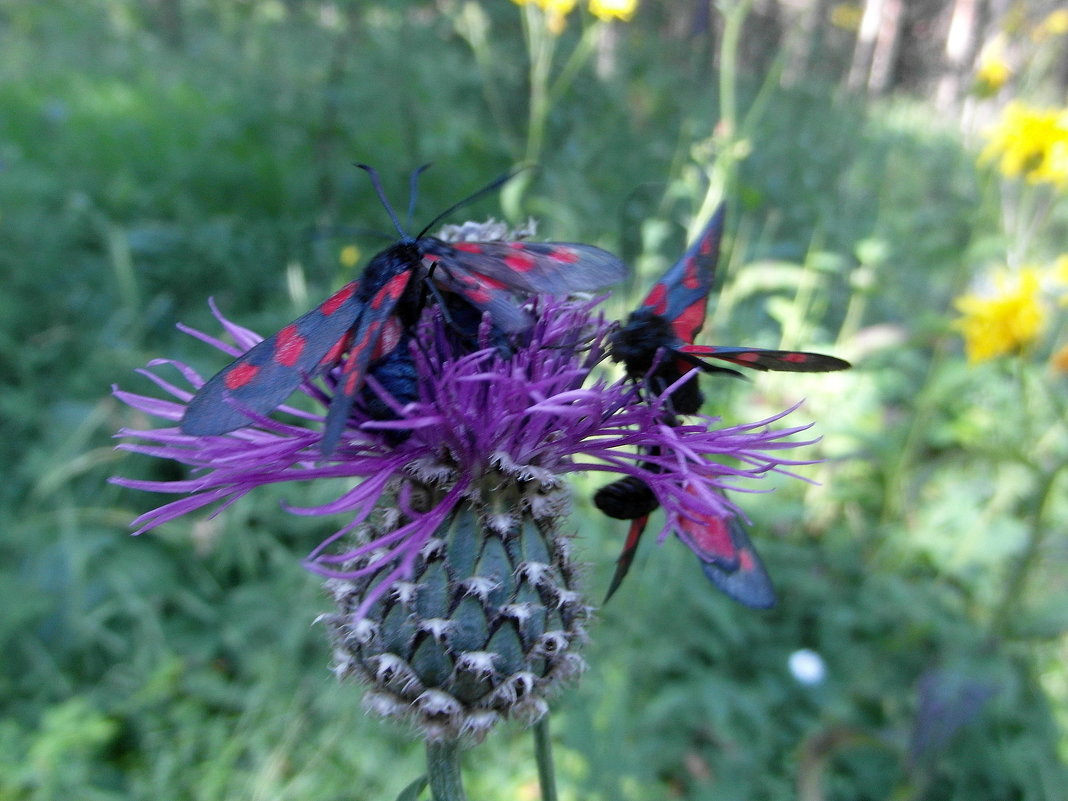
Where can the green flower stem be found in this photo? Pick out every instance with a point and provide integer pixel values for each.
(575, 62)
(443, 770)
(925, 400)
(543, 753)
(734, 15)
(722, 170)
(1036, 535)
(541, 44)
(1016, 585)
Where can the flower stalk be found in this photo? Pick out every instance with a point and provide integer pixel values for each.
(543, 754)
(443, 770)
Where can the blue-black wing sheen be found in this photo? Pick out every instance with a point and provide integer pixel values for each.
(748, 581)
(490, 274)
(264, 376)
(367, 346)
(681, 295)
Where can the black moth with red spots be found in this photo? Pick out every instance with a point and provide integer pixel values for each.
(364, 327)
(656, 345)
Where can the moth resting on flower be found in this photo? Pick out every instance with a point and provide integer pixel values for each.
(364, 328)
(656, 347)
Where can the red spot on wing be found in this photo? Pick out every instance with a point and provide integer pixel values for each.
(520, 262)
(468, 247)
(688, 323)
(690, 278)
(564, 255)
(392, 289)
(480, 290)
(391, 335)
(352, 382)
(748, 356)
(713, 538)
(485, 282)
(240, 375)
(352, 377)
(288, 346)
(478, 295)
(338, 299)
(637, 528)
(796, 358)
(337, 349)
(657, 299)
(746, 560)
(360, 346)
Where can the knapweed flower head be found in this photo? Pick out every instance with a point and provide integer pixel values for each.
(451, 568)
(1030, 143)
(1006, 320)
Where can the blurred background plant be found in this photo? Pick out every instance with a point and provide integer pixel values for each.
(153, 152)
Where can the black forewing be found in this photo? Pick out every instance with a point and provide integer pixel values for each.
(490, 274)
(263, 377)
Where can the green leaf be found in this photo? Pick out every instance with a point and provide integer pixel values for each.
(413, 790)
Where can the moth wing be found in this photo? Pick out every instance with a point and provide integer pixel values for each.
(368, 344)
(263, 377)
(490, 274)
(710, 538)
(626, 557)
(681, 296)
(748, 583)
(789, 361)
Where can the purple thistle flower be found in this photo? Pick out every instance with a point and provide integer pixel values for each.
(482, 414)
(453, 579)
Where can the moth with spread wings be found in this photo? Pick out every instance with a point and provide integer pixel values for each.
(656, 345)
(365, 325)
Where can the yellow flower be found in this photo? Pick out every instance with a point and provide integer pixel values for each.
(560, 7)
(1005, 323)
(1060, 268)
(1030, 142)
(1056, 24)
(556, 12)
(350, 254)
(992, 74)
(613, 9)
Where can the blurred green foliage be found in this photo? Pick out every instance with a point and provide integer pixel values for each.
(144, 168)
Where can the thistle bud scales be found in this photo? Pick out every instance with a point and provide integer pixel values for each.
(485, 627)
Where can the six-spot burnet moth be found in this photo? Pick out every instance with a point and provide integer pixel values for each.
(364, 327)
(656, 345)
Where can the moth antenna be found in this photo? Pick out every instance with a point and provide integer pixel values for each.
(377, 184)
(413, 186)
(496, 182)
